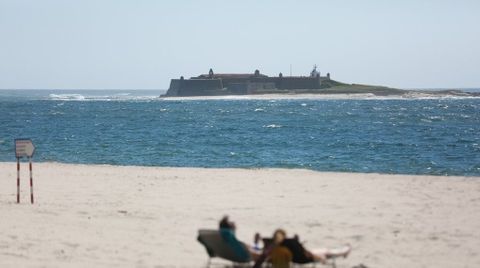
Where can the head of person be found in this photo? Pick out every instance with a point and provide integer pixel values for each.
(278, 236)
(257, 238)
(225, 223)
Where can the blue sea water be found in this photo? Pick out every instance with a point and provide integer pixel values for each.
(438, 136)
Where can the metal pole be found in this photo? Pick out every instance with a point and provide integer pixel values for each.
(18, 179)
(31, 179)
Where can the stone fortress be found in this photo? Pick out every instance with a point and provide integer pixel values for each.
(213, 84)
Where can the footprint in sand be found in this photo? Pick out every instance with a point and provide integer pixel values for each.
(71, 245)
(357, 237)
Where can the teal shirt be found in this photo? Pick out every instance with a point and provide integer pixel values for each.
(238, 247)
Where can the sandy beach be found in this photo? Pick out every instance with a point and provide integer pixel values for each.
(123, 216)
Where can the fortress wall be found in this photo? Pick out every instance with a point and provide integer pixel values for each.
(291, 82)
(174, 87)
(298, 83)
(179, 87)
(229, 81)
(264, 79)
(238, 88)
(215, 86)
(249, 86)
(259, 86)
(198, 86)
(202, 84)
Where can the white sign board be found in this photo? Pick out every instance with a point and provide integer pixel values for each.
(24, 147)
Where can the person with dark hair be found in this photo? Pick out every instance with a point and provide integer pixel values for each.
(224, 223)
(227, 231)
(257, 239)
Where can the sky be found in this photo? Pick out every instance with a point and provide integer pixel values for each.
(142, 44)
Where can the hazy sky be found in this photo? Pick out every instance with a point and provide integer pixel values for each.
(143, 44)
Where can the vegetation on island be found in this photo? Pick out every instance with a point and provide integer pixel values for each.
(335, 87)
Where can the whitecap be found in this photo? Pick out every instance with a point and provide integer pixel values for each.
(272, 126)
(95, 97)
(436, 118)
(66, 97)
(56, 113)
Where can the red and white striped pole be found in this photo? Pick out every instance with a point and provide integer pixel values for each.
(31, 179)
(18, 180)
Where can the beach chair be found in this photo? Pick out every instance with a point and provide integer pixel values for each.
(298, 255)
(216, 246)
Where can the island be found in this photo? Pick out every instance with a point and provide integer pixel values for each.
(256, 83)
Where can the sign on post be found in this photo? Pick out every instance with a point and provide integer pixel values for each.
(24, 148)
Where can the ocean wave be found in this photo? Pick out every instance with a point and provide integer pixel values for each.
(114, 97)
(272, 126)
(434, 96)
(359, 96)
(66, 97)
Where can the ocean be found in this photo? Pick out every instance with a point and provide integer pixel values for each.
(424, 135)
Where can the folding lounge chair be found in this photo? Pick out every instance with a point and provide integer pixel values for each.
(217, 246)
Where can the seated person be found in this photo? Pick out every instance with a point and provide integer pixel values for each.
(227, 231)
(257, 240)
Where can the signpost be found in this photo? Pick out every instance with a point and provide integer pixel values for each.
(24, 148)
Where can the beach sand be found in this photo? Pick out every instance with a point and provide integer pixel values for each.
(119, 216)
